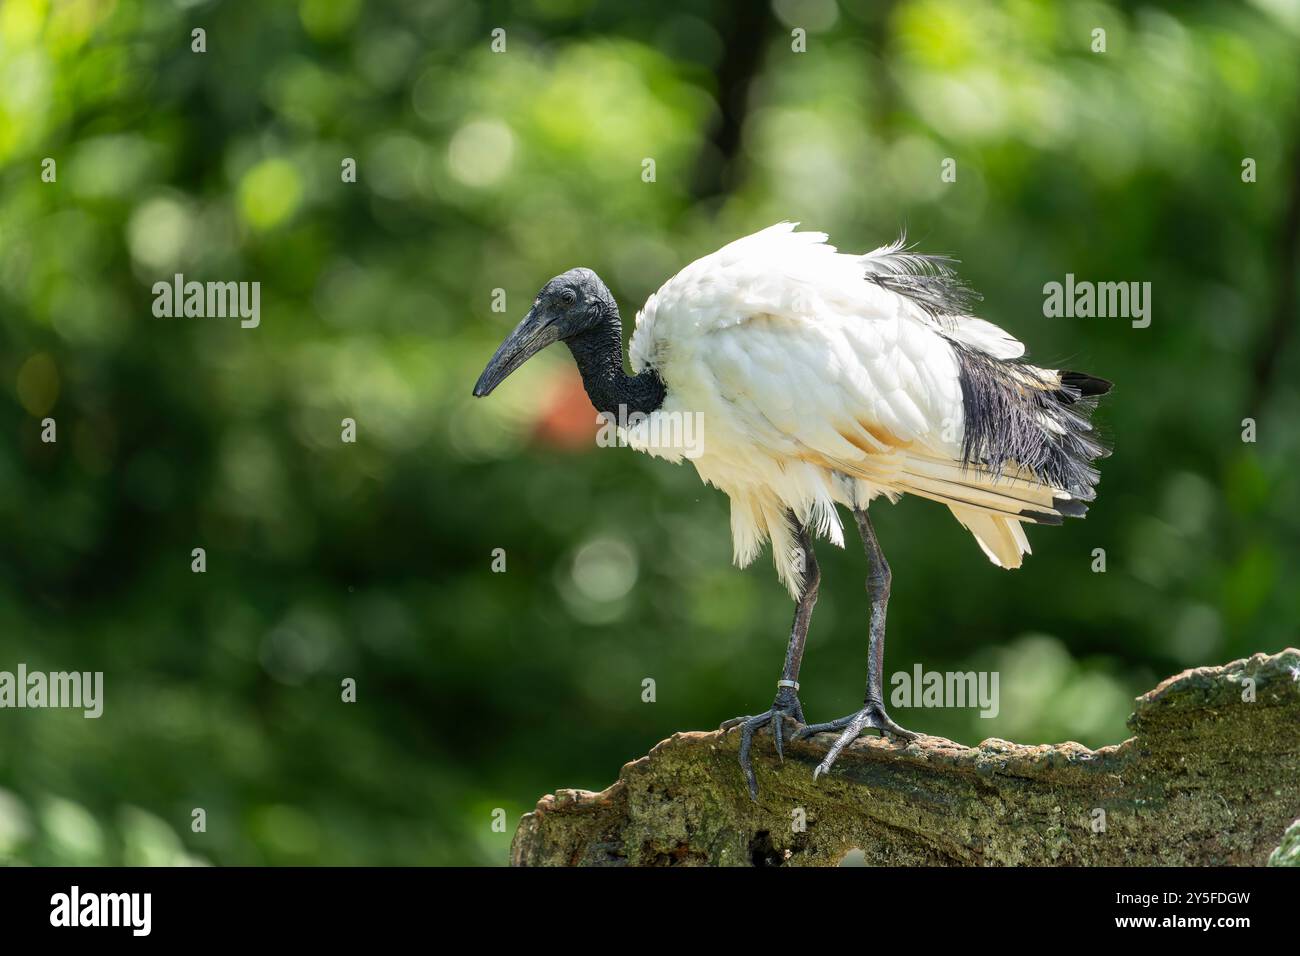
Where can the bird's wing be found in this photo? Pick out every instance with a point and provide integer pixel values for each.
(839, 391)
(817, 384)
(807, 350)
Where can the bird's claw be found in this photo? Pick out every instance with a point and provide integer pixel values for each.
(785, 705)
(872, 716)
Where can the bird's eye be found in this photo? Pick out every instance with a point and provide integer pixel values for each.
(568, 297)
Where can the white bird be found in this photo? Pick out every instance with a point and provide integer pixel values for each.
(821, 379)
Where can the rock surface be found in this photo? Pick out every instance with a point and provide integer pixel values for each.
(1209, 778)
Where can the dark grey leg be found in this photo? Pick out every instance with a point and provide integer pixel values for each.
(786, 703)
(873, 712)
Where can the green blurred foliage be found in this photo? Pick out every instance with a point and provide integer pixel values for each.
(480, 171)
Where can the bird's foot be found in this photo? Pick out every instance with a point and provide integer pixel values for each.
(786, 705)
(871, 716)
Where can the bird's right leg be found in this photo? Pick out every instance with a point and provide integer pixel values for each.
(786, 703)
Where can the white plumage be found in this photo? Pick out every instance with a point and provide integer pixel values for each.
(796, 379)
(818, 388)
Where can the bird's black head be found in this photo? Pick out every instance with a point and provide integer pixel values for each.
(566, 307)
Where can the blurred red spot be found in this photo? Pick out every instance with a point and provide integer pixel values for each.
(566, 419)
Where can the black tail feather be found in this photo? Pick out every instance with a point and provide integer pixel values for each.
(1014, 418)
(1085, 384)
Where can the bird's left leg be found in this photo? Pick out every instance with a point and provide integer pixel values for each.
(786, 703)
(872, 714)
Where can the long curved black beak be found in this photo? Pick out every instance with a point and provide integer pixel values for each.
(530, 336)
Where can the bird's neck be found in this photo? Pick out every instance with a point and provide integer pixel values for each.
(599, 354)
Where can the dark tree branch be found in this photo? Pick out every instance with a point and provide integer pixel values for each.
(745, 27)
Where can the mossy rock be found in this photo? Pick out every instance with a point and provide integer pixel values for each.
(1208, 779)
